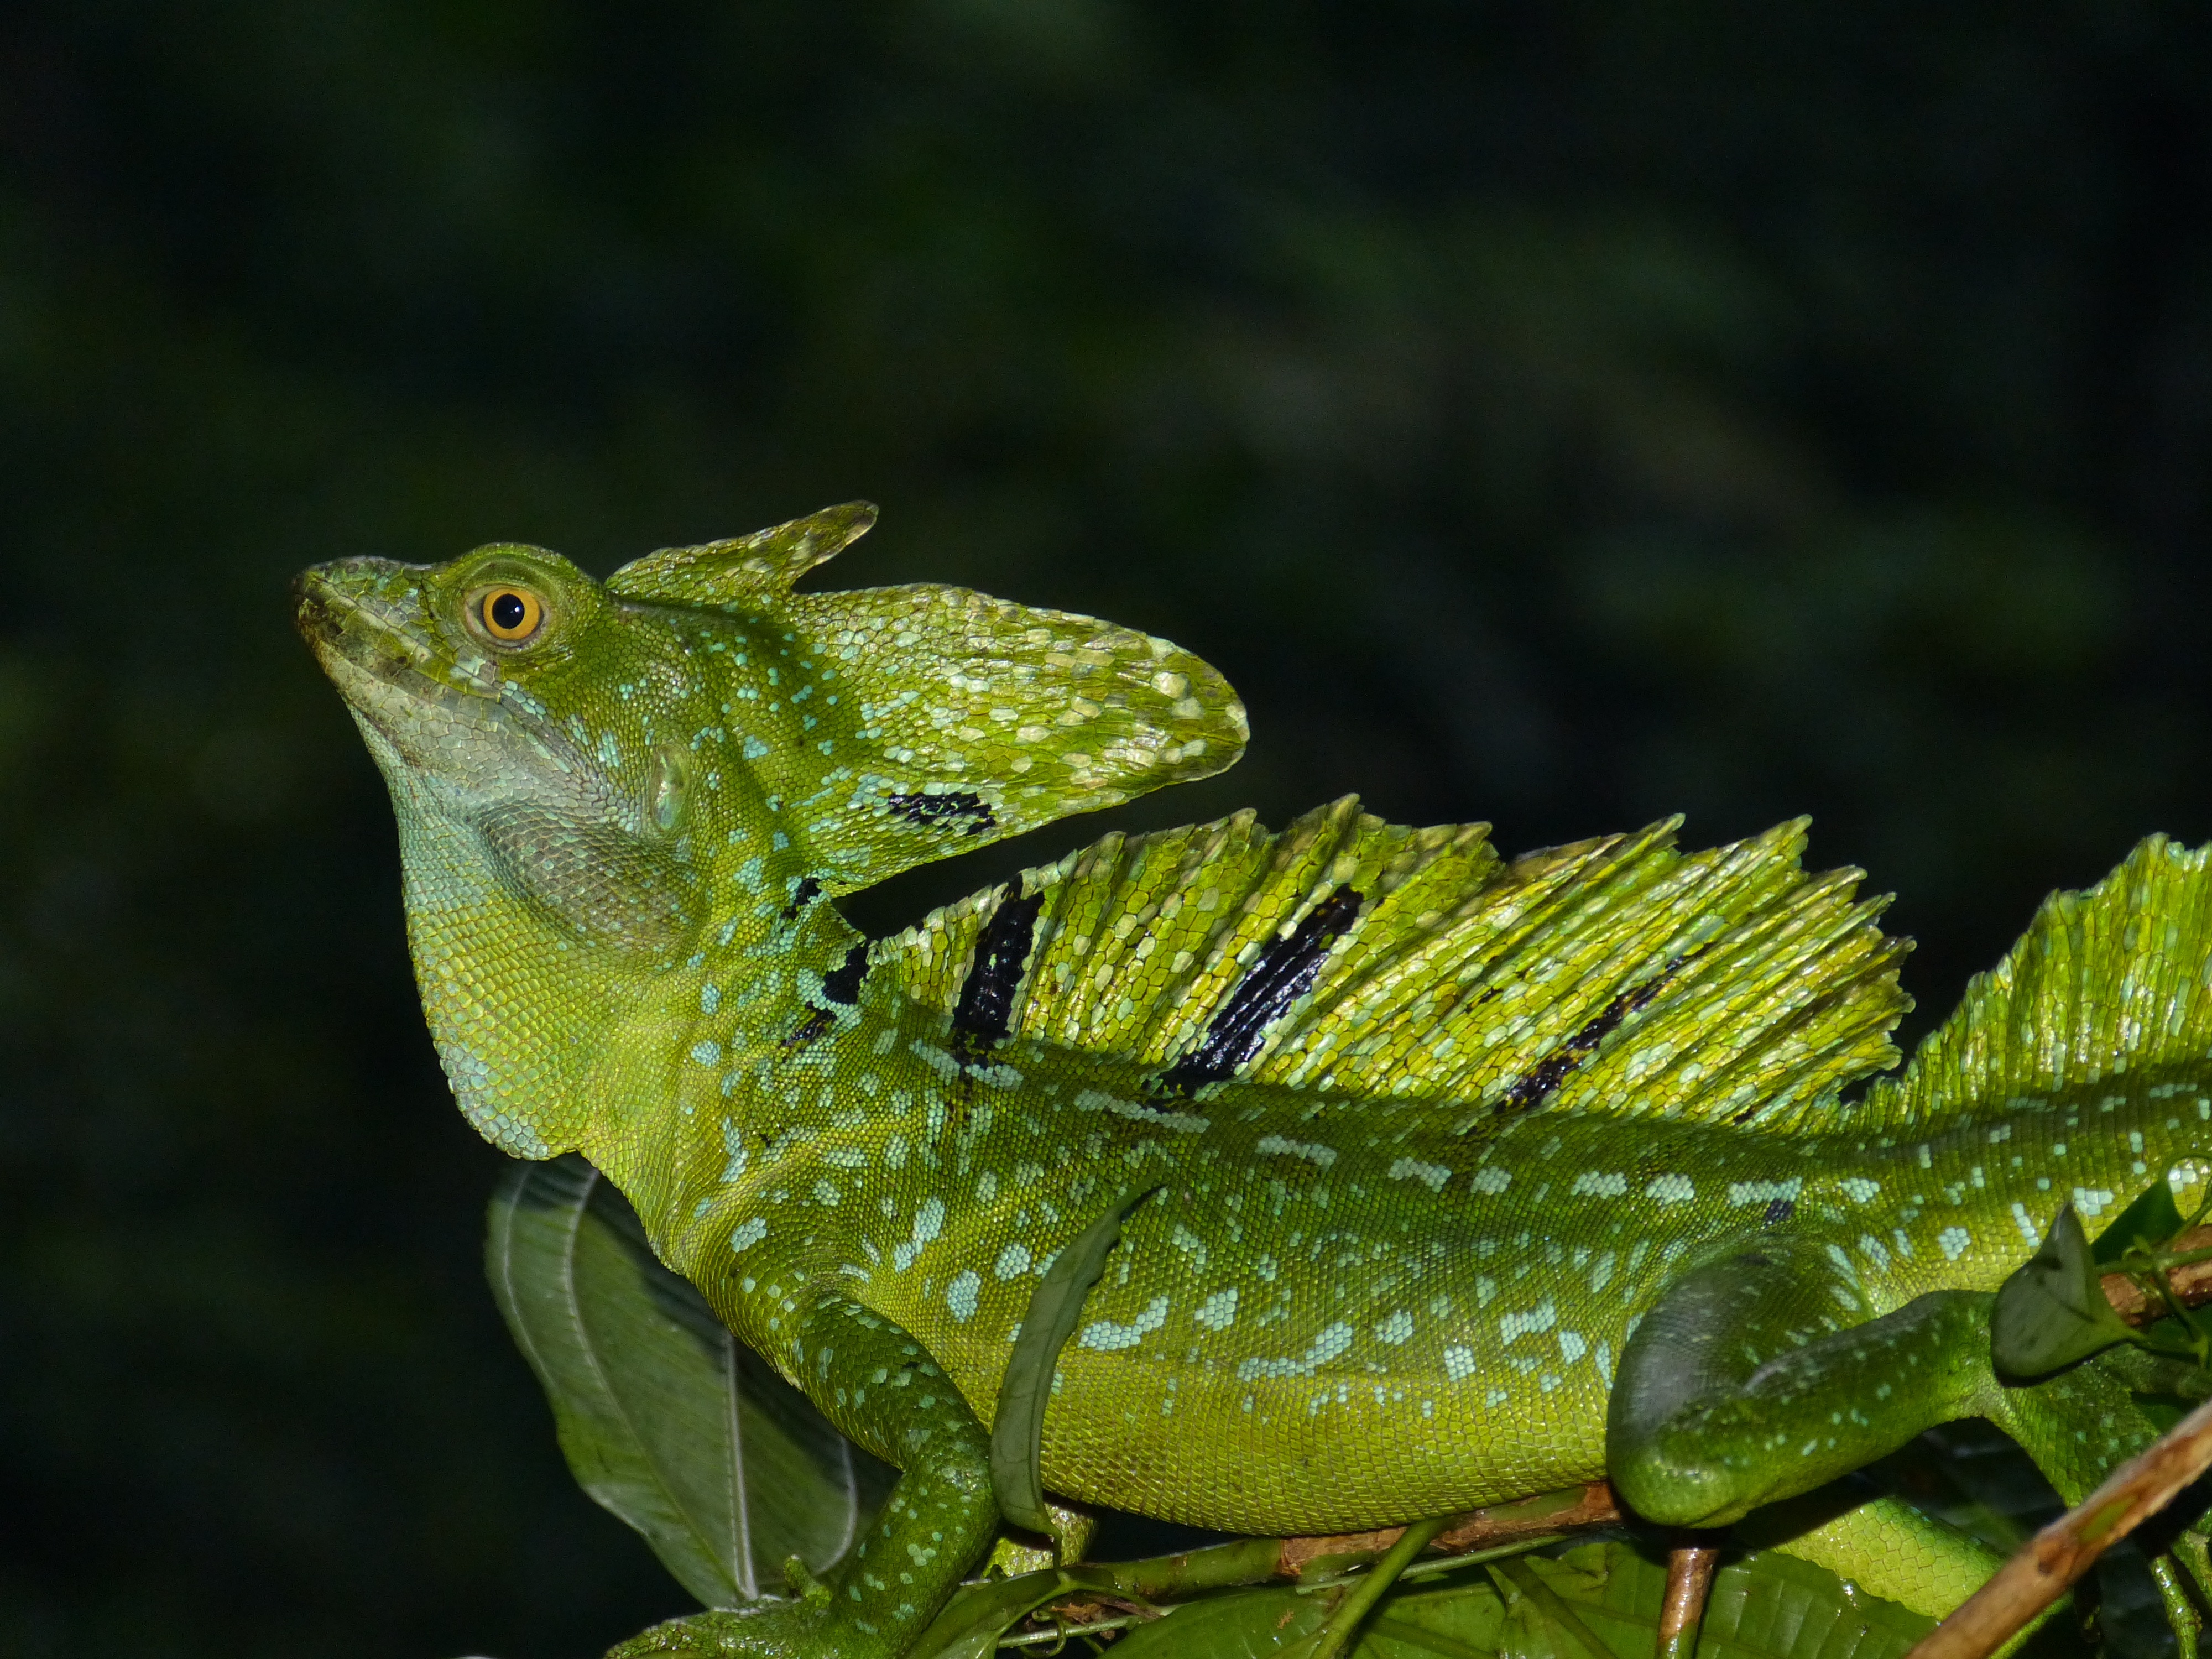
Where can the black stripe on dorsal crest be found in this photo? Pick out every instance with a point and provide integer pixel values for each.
(1533, 1087)
(985, 1011)
(1283, 972)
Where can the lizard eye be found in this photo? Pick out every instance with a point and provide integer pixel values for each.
(511, 615)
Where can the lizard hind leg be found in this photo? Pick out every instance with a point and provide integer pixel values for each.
(1757, 1376)
(1881, 1544)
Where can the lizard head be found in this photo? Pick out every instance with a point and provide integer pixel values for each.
(601, 786)
(526, 732)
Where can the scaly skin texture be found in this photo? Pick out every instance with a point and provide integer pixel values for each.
(1475, 1178)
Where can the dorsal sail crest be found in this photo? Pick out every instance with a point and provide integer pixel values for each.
(1366, 959)
(2113, 981)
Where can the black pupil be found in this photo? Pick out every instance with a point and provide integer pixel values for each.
(507, 611)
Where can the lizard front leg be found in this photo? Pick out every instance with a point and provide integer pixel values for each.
(1753, 1379)
(878, 1384)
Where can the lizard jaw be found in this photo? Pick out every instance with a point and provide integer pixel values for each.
(367, 615)
(459, 743)
(436, 706)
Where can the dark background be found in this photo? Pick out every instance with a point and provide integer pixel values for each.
(1554, 413)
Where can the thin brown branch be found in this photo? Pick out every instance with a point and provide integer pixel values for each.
(2192, 1282)
(1592, 1505)
(2039, 1574)
(1690, 1567)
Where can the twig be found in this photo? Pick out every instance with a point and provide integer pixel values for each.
(2039, 1574)
(1337, 1636)
(1689, 1580)
(1464, 1539)
(1438, 1567)
(2191, 1280)
(1592, 1505)
(1037, 1638)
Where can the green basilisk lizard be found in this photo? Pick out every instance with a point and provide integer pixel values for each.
(1469, 1176)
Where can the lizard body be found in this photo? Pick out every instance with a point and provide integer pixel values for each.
(1433, 1135)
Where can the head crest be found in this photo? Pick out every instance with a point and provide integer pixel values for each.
(937, 719)
(752, 571)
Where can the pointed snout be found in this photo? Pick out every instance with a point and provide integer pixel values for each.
(366, 613)
(354, 596)
(312, 609)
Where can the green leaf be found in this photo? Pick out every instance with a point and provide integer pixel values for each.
(665, 1418)
(2151, 1220)
(1248, 1624)
(978, 1614)
(1772, 1606)
(2052, 1310)
(1765, 1606)
(1018, 1420)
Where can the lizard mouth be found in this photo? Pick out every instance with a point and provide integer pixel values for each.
(455, 737)
(440, 710)
(369, 613)
(366, 623)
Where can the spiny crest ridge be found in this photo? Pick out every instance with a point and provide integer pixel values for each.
(2116, 979)
(1370, 960)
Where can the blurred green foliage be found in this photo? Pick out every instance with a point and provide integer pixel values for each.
(1555, 413)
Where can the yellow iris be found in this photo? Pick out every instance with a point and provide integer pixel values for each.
(510, 615)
